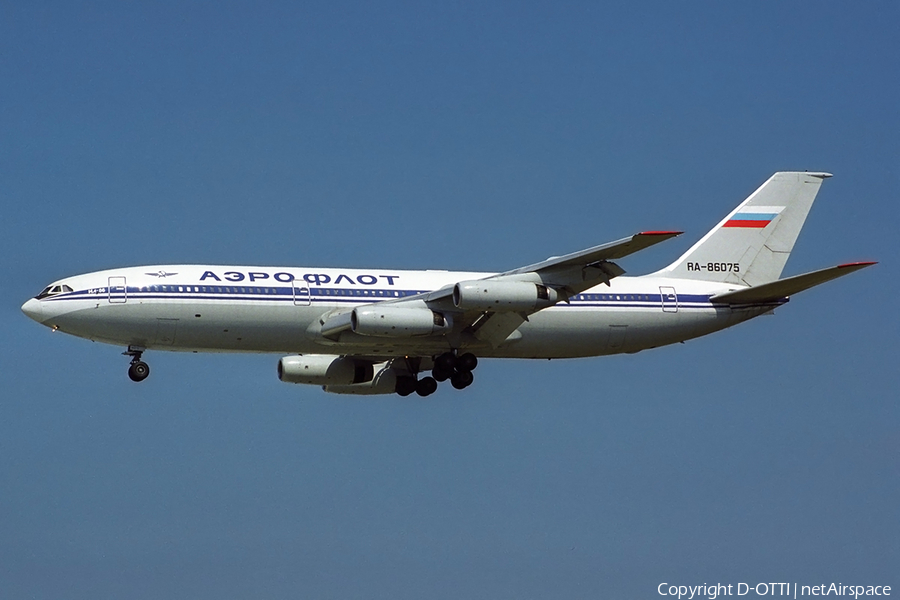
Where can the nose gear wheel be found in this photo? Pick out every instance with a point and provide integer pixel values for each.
(138, 370)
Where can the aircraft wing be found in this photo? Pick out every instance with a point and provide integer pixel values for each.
(789, 286)
(573, 272)
(560, 276)
(597, 254)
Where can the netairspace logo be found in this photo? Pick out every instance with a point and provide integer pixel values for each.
(713, 591)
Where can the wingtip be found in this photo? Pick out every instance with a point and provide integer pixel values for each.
(866, 263)
(672, 233)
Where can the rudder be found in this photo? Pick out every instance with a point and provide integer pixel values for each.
(752, 244)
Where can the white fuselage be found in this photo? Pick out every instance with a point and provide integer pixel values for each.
(280, 310)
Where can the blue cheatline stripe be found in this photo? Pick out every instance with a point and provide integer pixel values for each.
(330, 295)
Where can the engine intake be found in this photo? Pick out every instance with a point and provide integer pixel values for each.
(503, 295)
(393, 321)
(324, 369)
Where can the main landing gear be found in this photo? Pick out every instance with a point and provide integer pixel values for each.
(138, 370)
(458, 369)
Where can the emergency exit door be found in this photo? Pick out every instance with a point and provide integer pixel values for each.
(669, 299)
(301, 292)
(118, 293)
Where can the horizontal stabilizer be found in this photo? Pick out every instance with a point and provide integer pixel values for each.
(788, 287)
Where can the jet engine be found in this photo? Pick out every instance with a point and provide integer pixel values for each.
(324, 369)
(395, 321)
(490, 295)
(384, 382)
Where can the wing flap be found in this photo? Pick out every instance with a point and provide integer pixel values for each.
(497, 327)
(789, 286)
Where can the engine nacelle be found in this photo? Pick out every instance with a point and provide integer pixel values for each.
(395, 321)
(324, 369)
(384, 382)
(502, 295)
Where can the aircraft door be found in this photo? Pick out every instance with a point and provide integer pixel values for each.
(617, 335)
(118, 293)
(165, 331)
(301, 292)
(669, 299)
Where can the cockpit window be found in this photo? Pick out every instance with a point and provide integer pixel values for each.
(52, 290)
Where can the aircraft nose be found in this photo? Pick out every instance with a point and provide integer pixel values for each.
(33, 309)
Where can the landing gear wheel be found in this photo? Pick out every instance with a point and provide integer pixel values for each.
(405, 386)
(440, 374)
(426, 386)
(445, 363)
(462, 379)
(467, 362)
(138, 371)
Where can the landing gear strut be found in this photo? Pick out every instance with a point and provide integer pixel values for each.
(138, 370)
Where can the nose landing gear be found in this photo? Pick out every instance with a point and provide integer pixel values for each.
(138, 370)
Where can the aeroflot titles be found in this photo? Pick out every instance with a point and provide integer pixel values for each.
(311, 278)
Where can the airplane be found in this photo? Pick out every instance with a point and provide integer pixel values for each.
(355, 331)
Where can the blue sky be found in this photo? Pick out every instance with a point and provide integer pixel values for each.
(472, 137)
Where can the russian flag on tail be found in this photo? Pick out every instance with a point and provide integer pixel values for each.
(754, 217)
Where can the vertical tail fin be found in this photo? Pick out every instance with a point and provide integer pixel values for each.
(752, 244)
